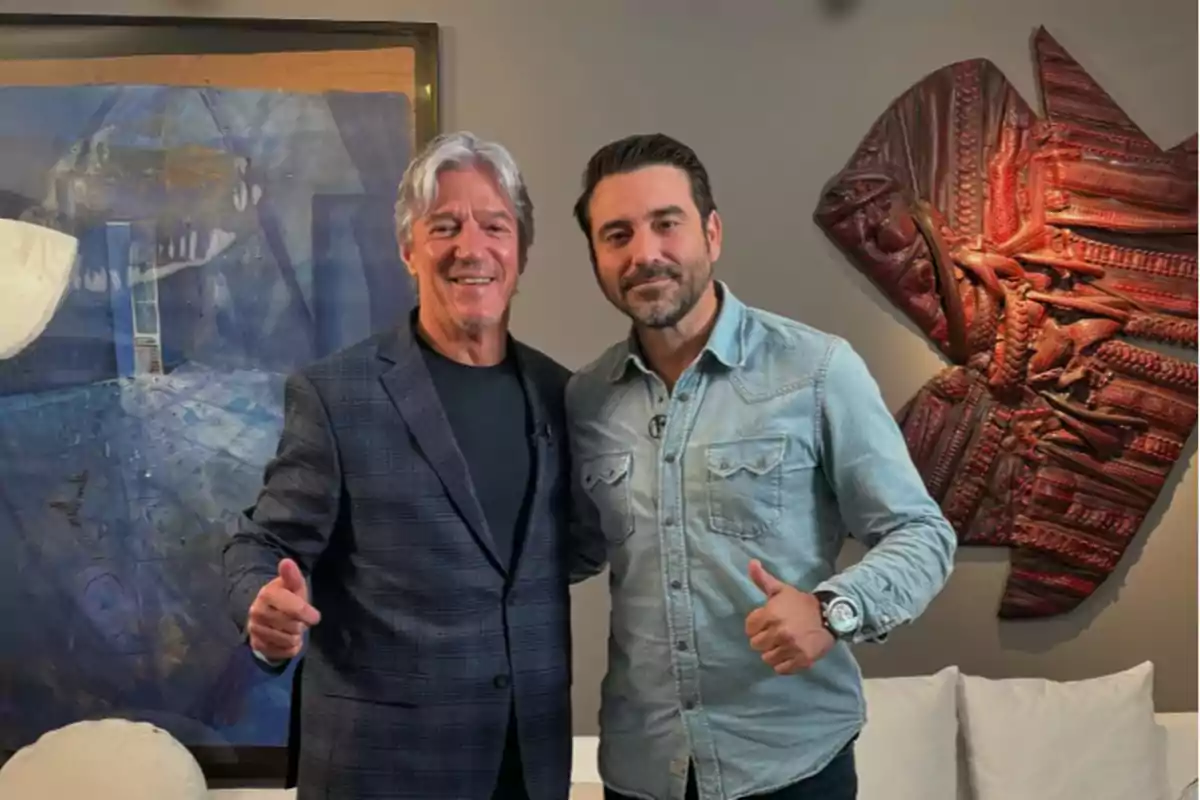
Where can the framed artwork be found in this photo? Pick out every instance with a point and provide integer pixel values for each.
(190, 209)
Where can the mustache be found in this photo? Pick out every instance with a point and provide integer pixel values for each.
(645, 273)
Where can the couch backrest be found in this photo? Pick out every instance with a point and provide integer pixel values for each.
(1179, 728)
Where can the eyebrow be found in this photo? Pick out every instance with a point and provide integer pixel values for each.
(450, 216)
(499, 214)
(655, 214)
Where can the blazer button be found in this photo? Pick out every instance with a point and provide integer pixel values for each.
(500, 681)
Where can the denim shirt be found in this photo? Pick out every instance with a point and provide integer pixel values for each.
(773, 445)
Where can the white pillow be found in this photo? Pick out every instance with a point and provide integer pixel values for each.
(907, 750)
(108, 759)
(1037, 739)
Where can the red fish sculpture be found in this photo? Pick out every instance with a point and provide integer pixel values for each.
(1034, 250)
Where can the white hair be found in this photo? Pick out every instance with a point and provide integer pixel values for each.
(418, 188)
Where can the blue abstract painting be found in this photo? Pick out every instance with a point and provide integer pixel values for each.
(225, 237)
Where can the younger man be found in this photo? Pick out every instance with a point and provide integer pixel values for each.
(723, 451)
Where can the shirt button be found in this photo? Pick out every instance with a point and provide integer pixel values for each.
(676, 584)
(682, 645)
(684, 397)
(689, 705)
(670, 458)
(500, 681)
(669, 520)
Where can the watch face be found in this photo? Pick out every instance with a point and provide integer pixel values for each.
(842, 617)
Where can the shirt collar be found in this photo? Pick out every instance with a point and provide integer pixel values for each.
(726, 342)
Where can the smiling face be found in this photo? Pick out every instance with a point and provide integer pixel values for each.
(464, 254)
(653, 254)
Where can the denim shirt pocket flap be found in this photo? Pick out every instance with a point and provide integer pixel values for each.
(758, 456)
(609, 469)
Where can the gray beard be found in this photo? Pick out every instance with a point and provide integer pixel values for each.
(670, 316)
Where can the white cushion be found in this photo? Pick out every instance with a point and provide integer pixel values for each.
(907, 748)
(108, 759)
(1179, 729)
(1037, 739)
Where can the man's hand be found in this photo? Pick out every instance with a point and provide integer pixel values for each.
(280, 614)
(788, 630)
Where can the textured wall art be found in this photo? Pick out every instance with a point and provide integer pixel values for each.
(1035, 251)
(189, 210)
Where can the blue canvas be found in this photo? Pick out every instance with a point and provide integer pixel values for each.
(226, 237)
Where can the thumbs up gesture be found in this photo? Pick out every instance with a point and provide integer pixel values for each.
(280, 614)
(787, 629)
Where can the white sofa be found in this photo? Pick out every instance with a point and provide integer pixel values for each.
(945, 736)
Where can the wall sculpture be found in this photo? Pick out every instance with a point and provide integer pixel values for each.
(1033, 250)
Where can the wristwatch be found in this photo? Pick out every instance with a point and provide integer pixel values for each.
(841, 615)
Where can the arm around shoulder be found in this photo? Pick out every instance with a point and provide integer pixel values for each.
(297, 507)
(882, 499)
(588, 551)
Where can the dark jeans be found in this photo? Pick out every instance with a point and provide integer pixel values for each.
(511, 783)
(838, 781)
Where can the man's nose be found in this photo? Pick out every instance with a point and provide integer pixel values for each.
(643, 249)
(470, 242)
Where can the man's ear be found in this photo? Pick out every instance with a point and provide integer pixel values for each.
(712, 235)
(406, 256)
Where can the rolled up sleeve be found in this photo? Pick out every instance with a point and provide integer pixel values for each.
(882, 499)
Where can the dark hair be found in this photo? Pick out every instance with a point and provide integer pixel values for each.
(637, 151)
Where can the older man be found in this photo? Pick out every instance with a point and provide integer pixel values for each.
(724, 451)
(418, 494)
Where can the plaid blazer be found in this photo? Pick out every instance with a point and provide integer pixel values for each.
(426, 636)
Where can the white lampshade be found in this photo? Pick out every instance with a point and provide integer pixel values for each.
(35, 273)
(108, 759)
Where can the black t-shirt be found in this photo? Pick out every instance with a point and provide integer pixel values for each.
(489, 414)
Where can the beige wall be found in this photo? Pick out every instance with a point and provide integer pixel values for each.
(774, 96)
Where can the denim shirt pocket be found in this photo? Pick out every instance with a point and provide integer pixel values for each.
(606, 481)
(744, 486)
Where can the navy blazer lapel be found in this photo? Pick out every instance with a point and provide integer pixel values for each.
(411, 389)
